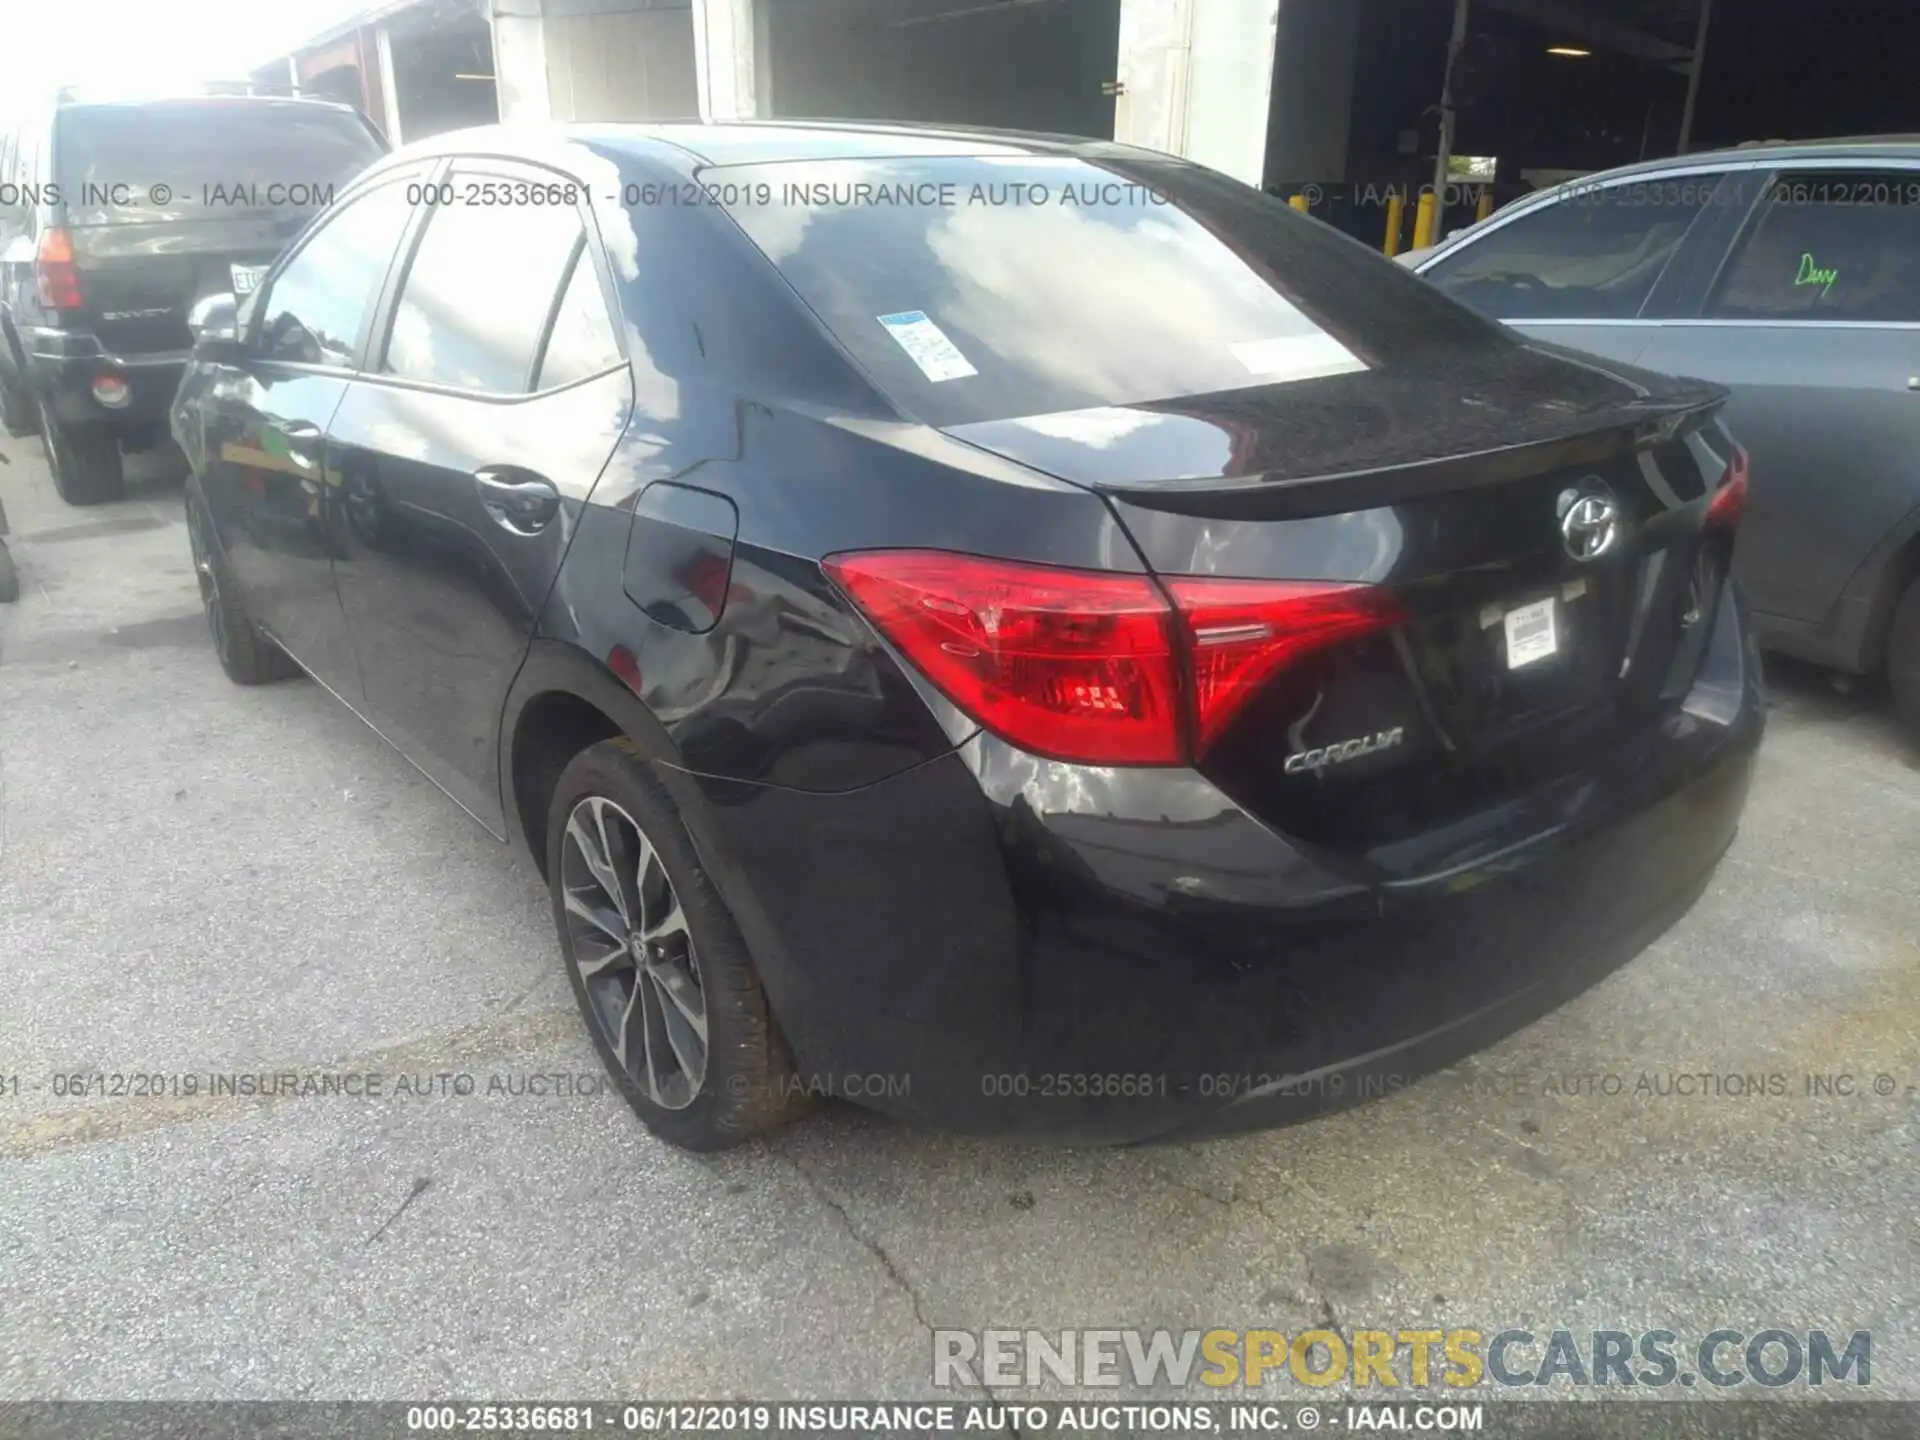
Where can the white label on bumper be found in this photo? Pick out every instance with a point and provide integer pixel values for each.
(1530, 634)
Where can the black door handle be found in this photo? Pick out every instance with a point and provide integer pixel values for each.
(521, 502)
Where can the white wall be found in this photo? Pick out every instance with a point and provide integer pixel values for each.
(520, 64)
(1032, 67)
(725, 37)
(595, 59)
(632, 65)
(1198, 77)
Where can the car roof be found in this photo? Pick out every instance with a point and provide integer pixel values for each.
(1751, 152)
(1863, 147)
(690, 145)
(148, 102)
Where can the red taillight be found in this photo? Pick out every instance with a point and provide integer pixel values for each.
(1091, 666)
(1730, 500)
(1071, 664)
(1244, 632)
(58, 276)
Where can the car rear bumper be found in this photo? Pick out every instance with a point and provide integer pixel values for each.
(63, 366)
(999, 943)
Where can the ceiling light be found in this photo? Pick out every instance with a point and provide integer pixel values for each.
(1572, 51)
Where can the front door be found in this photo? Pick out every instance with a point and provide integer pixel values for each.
(265, 472)
(463, 456)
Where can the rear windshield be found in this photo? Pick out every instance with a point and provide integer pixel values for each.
(987, 288)
(129, 163)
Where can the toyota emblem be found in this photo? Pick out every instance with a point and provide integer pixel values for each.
(1590, 526)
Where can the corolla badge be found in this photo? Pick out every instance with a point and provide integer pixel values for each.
(1345, 750)
(1589, 523)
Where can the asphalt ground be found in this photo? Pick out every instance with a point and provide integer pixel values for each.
(201, 879)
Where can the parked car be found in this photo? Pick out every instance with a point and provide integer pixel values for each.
(1785, 272)
(1125, 668)
(114, 219)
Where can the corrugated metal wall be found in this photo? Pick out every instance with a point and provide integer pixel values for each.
(621, 65)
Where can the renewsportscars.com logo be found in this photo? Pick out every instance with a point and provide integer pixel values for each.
(1385, 1359)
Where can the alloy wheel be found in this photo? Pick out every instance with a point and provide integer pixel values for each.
(629, 943)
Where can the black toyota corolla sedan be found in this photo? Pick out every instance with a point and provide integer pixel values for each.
(1027, 634)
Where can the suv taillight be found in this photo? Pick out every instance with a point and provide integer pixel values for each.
(1095, 667)
(1729, 501)
(54, 269)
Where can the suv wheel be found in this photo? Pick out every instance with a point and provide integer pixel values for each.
(1903, 659)
(657, 964)
(16, 414)
(248, 657)
(84, 459)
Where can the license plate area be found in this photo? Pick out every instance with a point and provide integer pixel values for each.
(1513, 661)
(246, 279)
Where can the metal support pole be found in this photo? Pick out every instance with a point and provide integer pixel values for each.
(1447, 117)
(1693, 76)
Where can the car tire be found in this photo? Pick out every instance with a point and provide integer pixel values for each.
(620, 858)
(84, 460)
(1903, 659)
(248, 657)
(16, 411)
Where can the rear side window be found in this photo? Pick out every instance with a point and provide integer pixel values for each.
(988, 287)
(123, 164)
(1838, 246)
(317, 304)
(1595, 254)
(476, 298)
(582, 341)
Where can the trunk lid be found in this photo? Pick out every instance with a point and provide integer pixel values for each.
(1540, 521)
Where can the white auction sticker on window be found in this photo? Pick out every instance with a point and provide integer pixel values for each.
(1530, 634)
(927, 346)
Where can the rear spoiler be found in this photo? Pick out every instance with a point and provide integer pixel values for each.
(1625, 431)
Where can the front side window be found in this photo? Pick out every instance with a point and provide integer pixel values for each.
(1828, 246)
(1594, 254)
(476, 298)
(317, 305)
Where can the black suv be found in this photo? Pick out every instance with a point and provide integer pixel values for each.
(114, 219)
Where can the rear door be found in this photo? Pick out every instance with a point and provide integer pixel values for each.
(174, 200)
(1814, 322)
(463, 456)
(264, 472)
(1586, 267)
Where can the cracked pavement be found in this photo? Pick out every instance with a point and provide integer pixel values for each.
(196, 878)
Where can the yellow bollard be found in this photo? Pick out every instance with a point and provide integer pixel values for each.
(1396, 219)
(1485, 207)
(1425, 219)
(1299, 202)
